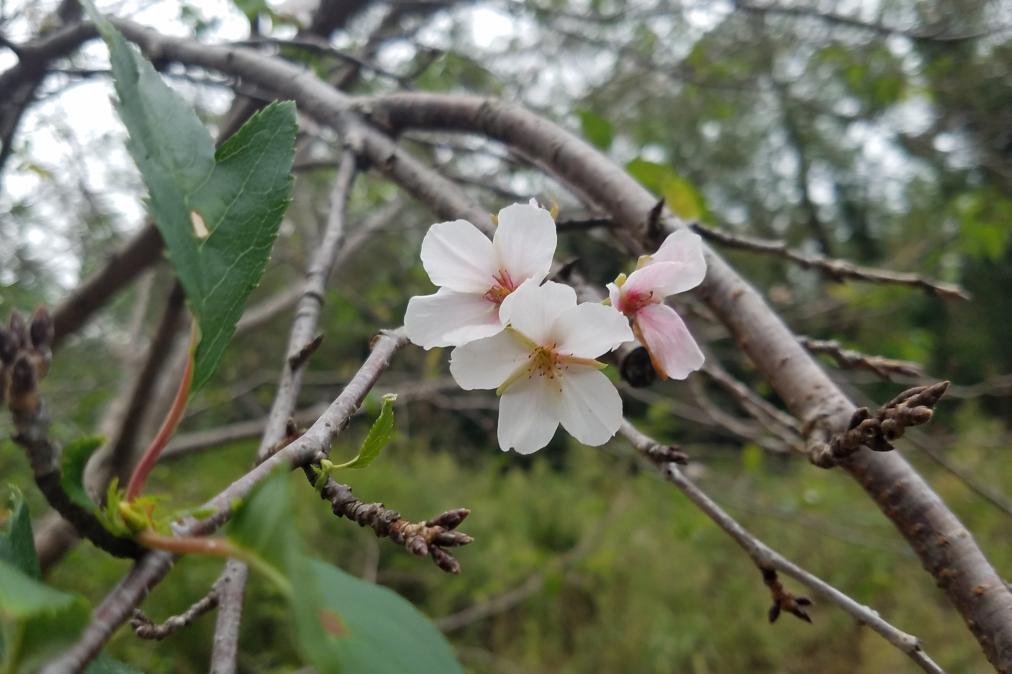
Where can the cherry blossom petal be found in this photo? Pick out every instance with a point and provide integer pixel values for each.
(486, 363)
(614, 294)
(529, 414)
(591, 408)
(661, 279)
(532, 309)
(450, 318)
(525, 241)
(589, 330)
(685, 249)
(458, 256)
(672, 349)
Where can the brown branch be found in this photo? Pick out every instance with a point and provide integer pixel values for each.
(831, 268)
(779, 423)
(969, 580)
(769, 561)
(24, 360)
(849, 359)
(430, 537)
(878, 431)
(145, 628)
(946, 548)
(152, 567)
(300, 339)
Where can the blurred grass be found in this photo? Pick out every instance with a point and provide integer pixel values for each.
(634, 578)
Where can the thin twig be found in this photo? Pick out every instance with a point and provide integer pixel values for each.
(152, 567)
(25, 353)
(831, 268)
(145, 628)
(303, 328)
(769, 562)
(849, 359)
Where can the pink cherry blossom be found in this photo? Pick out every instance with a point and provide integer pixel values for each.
(677, 266)
(543, 365)
(475, 275)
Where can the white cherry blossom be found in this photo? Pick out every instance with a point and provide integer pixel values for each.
(475, 275)
(677, 266)
(543, 366)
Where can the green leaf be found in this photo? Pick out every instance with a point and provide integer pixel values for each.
(341, 623)
(262, 527)
(679, 194)
(378, 437)
(752, 458)
(218, 213)
(251, 8)
(36, 620)
(17, 546)
(345, 624)
(72, 465)
(596, 129)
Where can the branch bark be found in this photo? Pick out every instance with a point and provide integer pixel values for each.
(152, 567)
(769, 561)
(944, 545)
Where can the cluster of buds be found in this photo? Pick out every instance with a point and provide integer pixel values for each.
(877, 431)
(431, 537)
(25, 353)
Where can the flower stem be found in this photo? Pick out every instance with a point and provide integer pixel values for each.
(154, 450)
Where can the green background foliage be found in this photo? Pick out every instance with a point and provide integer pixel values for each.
(879, 148)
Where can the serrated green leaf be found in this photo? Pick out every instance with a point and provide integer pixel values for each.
(596, 129)
(378, 438)
(36, 621)
(72, 465)
(218, 213)
(17, 546)
(346, 624)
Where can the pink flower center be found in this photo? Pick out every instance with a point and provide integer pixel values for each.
(502, 287)
(633, 301)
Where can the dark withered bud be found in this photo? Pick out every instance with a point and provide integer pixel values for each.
(18, 327)
(8, 346)
(636, 368)
(859, 415)
(444, 560)
(41, 329)
(774, 613)
(22, 376)
(669, 454)
(451, 519)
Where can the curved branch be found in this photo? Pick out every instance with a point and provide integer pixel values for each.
(946, 548)
(152, 567)
(944, 545)
(769, 561)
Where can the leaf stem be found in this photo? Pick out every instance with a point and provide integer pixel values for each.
(215, 547)
(154, 450)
